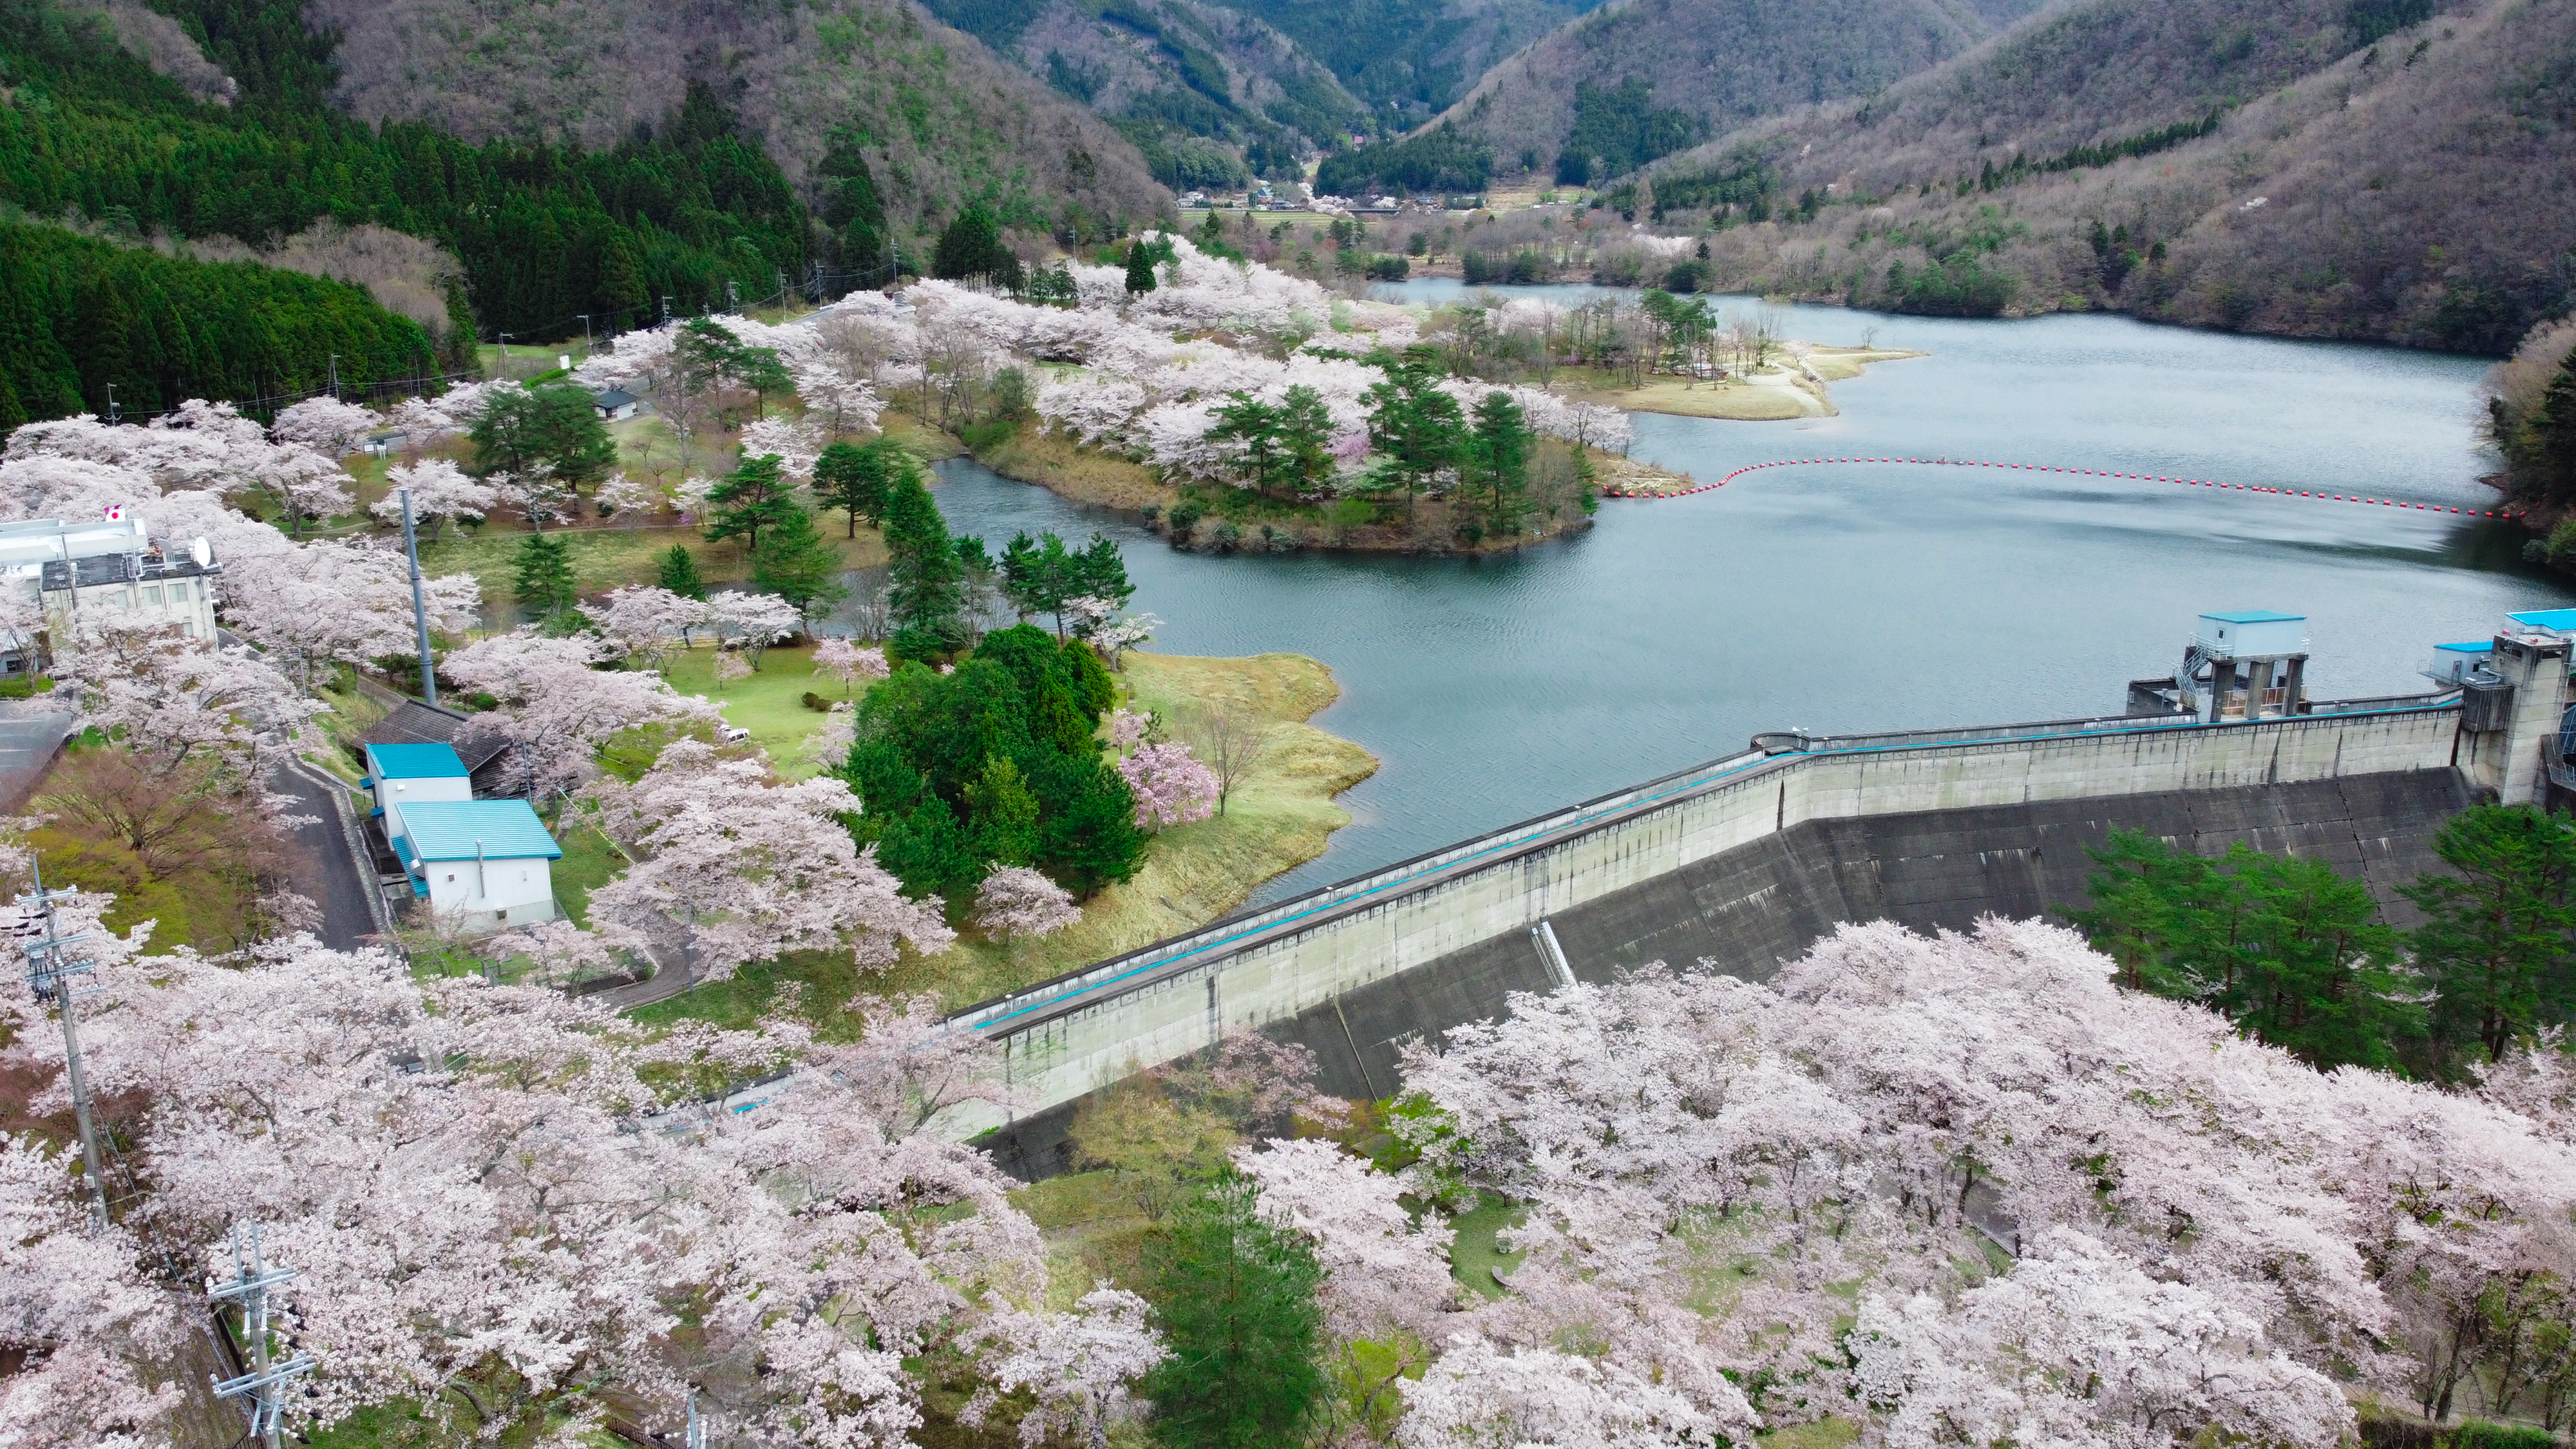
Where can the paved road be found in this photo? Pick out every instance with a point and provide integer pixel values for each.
(31, 730)
(326, 865)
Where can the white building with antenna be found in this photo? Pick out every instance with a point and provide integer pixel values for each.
(110, 569)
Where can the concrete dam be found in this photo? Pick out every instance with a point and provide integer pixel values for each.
(1745, 861)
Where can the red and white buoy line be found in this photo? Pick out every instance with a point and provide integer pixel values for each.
(1614, 492)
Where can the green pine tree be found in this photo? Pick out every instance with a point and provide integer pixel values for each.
(854, 477)
(925, 578)
(1414, 425)
(2499, 936)
(754, 496)
(542, 575)
(1140, 268)
(797, 563)
(1499, 447)
(1236, 1296)
(680, 573)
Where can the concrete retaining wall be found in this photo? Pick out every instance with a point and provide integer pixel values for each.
(1742, 861)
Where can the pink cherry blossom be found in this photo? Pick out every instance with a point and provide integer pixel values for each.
(739, 867)
(1170, 785)
(1017, 901)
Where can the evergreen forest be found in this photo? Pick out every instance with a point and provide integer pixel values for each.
(90, 134)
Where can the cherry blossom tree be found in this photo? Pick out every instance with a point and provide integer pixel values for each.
(786, 439)
(829, 747)
(1014, 900)
(77, 1309)
(624, 497)
(349, 602)
(558, 708)
(327, 425)
(174, 701)
(1123, 633)
(1170, 785)
(752, 622)
(539, 495)
(1889, 1098)
(1478, 1396)
(645, 621)
(2079, 1345)
(740, 867)
(1076, 1366)
(1385, 1274)
(495, 1207)
(561, 952)
(848, 661)
(441, 493)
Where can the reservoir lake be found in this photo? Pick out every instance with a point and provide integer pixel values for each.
(1860, 597)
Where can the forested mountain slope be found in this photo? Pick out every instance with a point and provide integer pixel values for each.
(2337, 168)
(1646, 77)
(1410, 58)
(938, 119)
(1209, 94)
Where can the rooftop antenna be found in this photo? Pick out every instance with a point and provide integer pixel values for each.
(49, 967)
(264, 1384)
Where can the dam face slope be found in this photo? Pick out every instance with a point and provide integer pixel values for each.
(1739, 863)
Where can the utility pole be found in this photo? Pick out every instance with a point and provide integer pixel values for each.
(252, 1279)
(505, 354)
(49, 971)
(733, 296)
(666, 309)
(335, 377)
(419, 610)
(586, 343)
(111, 404)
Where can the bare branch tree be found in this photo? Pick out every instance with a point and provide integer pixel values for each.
(1229, 740)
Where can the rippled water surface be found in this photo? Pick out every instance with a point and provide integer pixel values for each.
(1862, 597)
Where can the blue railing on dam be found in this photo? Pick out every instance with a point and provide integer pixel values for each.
(1089, 987)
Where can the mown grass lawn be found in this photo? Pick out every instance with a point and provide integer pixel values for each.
(1280, 816)
(770, 703)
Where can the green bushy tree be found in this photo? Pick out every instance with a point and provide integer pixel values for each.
(971, 246)
(2499, 934)
(552, 426)
(679, 573)
(2285, 947)
(754, 496)
(797, 563)
(856, 478)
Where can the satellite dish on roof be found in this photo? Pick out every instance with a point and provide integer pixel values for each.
(201, 553)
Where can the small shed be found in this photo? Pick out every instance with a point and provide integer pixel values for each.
(400, 775)
(487, 864)
(616, 404)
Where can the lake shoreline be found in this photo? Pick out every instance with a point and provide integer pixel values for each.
(1030, 454)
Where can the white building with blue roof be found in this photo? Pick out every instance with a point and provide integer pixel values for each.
(399, 775)
(483, 864)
